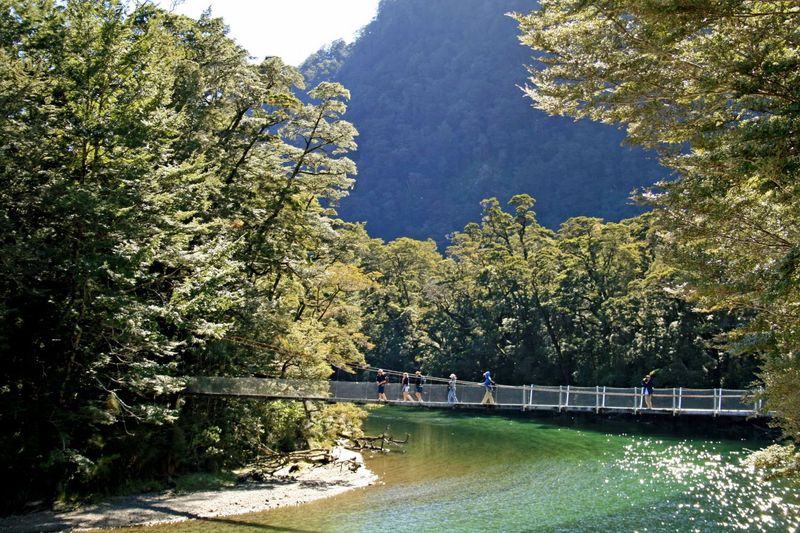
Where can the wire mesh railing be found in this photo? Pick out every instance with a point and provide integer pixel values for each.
(678, 400)
(707, 401)
(260, 387)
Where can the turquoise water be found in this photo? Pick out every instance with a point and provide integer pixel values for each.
(495, 473)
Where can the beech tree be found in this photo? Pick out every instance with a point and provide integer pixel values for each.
(589, 304)
(714, 88)
(162, 197)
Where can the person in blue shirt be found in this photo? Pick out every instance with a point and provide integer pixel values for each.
(488, 384)
(451, 389)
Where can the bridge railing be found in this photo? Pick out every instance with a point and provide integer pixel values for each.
(713, 401)
(259, 387)
(676, 400)
(709, 401)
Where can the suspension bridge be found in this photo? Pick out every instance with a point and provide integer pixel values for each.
(564, 398)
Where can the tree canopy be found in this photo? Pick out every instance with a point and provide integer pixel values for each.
(161, 196)
(715, 88)
(589, 304)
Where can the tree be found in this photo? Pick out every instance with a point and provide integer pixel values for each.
(714, 88)
(407, 271)
(161, 197)
(586, 305)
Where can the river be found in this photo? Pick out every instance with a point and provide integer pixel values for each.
(472, 472)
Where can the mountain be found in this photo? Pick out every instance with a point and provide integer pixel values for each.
(443, 124)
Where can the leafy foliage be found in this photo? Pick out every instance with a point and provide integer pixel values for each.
(161, 196)
(776, 461)
(714, 87)
(590, 304)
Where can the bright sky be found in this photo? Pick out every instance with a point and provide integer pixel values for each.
(291, 29)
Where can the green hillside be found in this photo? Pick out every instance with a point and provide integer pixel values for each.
(443, 124)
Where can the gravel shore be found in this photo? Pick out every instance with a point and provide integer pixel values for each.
(309, 484)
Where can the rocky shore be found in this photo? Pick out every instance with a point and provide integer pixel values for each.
(302, 485)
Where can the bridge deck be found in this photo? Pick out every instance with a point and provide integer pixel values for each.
(674, 401)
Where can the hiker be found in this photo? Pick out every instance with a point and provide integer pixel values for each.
(451, 389)
(647, 390)
(489, 384)
(405, 386)
(382, 380)
(419, 380)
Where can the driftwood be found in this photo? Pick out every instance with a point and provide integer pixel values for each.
(376, 443)
(271, 463)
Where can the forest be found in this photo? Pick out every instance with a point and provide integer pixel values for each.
(169, 210)
(592, 303)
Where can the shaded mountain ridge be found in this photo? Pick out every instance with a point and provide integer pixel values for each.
(444, 124)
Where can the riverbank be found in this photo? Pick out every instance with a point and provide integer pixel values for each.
(308, 484)
(546, 474)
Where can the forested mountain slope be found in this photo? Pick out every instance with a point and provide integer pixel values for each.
(444, 124)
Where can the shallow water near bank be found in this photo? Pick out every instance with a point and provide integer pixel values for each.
(472, 472)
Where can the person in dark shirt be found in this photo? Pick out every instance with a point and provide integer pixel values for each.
(382, 380)
(647, 390)
(418, 381)
(406, 388)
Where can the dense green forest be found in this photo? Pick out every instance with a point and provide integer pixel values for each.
(161, 196)
(437, 102)
(589, 304)
(168, 210)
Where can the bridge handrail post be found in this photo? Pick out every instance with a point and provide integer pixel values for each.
(597, 398)
(604, 396)
(530, 401)
(717, 401)
(560, 388)
(637, 397)
(566, 401)
(757, 405)
(680, 398)
(674, 400)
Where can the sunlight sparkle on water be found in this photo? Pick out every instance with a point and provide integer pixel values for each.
(728, 492)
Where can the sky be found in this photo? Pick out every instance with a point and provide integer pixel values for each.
(290, 29)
